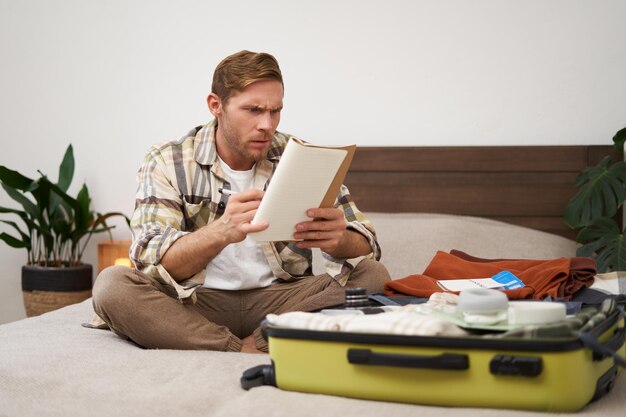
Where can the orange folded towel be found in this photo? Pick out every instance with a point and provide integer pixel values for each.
(558, 278)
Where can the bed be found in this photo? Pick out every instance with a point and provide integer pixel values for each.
(423, 200)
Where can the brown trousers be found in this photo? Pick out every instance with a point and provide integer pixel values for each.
(139, 308)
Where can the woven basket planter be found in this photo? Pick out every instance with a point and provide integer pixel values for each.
(50, 288)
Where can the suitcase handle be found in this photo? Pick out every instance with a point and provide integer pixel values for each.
(608, 348)
(448, 361)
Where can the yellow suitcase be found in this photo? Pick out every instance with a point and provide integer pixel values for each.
(559, 375)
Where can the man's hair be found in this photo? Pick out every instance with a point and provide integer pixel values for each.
(241, 69)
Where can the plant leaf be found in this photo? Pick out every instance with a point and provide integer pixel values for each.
(30, 223)
(16, 227)
(42, 195)
(604, 239)
(102, 218)
(66, 202)
(25, 238)
(64, 196)
(602, 192)
(589, 249)
(59, 222)
(15, 180)
(8, 210)
(619, 139)
(82, 213)
(66, 170)
(11, 241)
(30, 207)
(66, 173)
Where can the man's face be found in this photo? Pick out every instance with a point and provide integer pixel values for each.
(246, 124)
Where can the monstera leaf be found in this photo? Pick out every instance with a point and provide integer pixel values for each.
(606, 243)
(619, 139)
(602, 191)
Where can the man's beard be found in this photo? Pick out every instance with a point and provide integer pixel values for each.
(238, 145)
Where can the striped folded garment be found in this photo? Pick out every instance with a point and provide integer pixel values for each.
(611, 282)
(398, 322)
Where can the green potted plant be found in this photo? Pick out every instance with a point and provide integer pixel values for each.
(55, 231)
(594, 209)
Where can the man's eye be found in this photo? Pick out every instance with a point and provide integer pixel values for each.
(254, 110)
(276, 111)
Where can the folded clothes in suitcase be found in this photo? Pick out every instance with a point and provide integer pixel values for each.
(543, 373)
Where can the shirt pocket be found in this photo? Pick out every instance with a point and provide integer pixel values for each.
(198, 215)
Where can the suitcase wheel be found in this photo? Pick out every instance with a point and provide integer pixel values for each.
(258, 376)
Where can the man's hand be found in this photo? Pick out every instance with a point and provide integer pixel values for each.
(329, 233)
(325, 232)
(191, 253)
(240, 211)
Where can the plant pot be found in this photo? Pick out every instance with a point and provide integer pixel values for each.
(50, 288)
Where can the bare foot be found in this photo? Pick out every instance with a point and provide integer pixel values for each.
(248, 345)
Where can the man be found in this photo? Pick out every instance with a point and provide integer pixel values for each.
(201, 282)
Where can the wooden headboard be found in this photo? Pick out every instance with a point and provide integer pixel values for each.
(523, 185)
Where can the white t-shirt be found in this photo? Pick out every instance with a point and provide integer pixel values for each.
(241, 265)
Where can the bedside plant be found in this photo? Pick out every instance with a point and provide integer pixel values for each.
(55, 232)
(602, 191)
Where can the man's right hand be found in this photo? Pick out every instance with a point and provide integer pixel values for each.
(239, 212)
(191, 253)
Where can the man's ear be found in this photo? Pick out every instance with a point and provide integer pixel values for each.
(215, 104)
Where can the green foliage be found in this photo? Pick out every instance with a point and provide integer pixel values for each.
(56, 227)
(602, 191)
(604, 234)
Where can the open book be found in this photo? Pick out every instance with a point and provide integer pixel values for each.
(307, 176)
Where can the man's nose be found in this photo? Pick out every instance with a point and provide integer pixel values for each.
(265, 121)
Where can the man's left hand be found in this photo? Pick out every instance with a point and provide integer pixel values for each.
(325, 232)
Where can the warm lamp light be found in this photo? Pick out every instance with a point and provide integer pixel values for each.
(123, 262)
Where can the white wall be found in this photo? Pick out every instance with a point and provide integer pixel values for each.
(113, 77)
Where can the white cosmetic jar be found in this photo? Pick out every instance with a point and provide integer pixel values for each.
(482, 301)
(535, 312)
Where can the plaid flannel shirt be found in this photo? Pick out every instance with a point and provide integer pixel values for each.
(178, 194)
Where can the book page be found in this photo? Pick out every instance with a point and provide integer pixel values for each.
(466, 284)
(301, 180)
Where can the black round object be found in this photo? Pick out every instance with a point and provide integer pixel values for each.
(355, 298)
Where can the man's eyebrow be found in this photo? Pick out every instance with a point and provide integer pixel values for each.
(260, 107)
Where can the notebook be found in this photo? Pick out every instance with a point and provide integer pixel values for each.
(307, 176)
